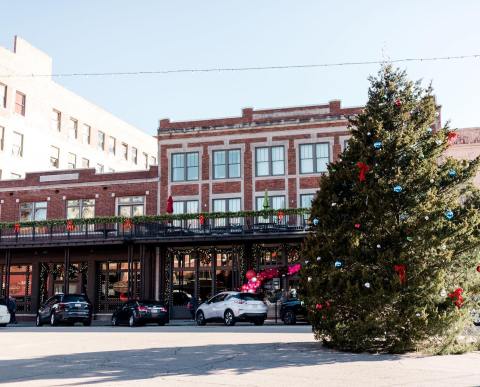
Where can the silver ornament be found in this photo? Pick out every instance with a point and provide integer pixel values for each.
(319, 259)
(426, 217)
(367, 285)
(309, 279)
(443, 293)
(378, 246)
(432, 181)
(417, 314)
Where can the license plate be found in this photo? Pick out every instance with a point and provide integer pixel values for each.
(78, 305)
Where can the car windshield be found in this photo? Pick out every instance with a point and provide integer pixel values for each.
(250, 297)
(150, 303)
(74, 298)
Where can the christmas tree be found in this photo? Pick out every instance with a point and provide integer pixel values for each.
(390, 264)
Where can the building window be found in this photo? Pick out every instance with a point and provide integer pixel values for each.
(145, 160)
(112, 145)
(111, 170)
(185, 166)
(20, 100)
(134, 155)
(54, 156)
(101, 140)
(99, 168)
(2, 137)
(85, 163)
(124, 151)
(226, 205)
(72, 161)
(153, 160)
(3, 95)
(226, 164)
(17, 144)
(275, 202)
(314, 158)
(186, 207)
(269, 161)
(86, 131)
(73, 129)
(15, 176)
(56, 120)
(130, 206)
(81, 209)
(35, 211)
(306, 200)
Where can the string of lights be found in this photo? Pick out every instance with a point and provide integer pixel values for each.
(238, 69)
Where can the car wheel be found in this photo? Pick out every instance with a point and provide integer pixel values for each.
(3, 325)
(259, 321)
(132, 321)
(200, 318)
(289, 318)
(87, 323)
(229, 318)
(38, 321)
(53, 320)
(114, 321)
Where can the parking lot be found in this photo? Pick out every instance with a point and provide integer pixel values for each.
(243, 355)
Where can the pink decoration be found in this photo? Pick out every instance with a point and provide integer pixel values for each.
(255, 280)
(250, 274)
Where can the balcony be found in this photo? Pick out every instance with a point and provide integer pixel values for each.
(272, 224)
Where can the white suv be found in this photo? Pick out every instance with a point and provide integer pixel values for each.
(4, 316)
(231, 307)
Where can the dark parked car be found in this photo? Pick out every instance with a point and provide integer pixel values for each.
(291, 310)
(140, 313)
(65, 308)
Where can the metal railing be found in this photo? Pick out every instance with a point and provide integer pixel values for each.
(158, 229)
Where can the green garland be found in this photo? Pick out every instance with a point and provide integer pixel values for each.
(156, 218)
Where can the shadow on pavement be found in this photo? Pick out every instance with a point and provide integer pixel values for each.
(143, 364)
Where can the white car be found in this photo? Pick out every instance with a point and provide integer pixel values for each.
(4, 316)
(231, 307)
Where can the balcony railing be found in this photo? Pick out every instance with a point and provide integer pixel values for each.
(157, 227)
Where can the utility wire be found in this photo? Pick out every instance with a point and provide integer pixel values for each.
(233, 69)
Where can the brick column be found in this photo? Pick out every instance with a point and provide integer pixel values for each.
(337, 148)
(247, 177)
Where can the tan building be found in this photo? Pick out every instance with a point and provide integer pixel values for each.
(44, 126)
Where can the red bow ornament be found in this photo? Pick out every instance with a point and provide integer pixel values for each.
(16, 227)
(127, 223)
(451, 137)
(456, 297)
(280, 215)
(70, 226)
(363, 169)
(201, 218)
(401, 270)
(398, 103)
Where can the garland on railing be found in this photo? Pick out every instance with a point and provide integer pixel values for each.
(202, 217)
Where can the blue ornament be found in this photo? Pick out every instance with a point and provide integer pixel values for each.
(452, 173)
(429, 130)
(338, 264)
(377, 144)
(449, 214)
(398, 189)
(403, 216)
(315, 222)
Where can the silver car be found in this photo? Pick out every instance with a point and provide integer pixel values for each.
(231, 307)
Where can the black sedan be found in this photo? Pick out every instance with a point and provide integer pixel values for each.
(291, 310)
(140, 313)
(65, 308)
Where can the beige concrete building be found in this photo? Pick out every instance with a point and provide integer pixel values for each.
(44, 126)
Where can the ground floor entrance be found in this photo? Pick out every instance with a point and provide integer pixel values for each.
(181, 276)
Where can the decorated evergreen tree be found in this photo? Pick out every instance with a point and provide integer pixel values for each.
(390, 264)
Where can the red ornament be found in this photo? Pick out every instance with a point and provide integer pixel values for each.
(201, 218)
(319, 307)
(250, 274)
(327, 304)
(123, 297)
(456, 297)
(398, 103)
(280, 215)
(478, 268)
(16, 227)
(451, 137)
(401, 271)
(127, 224)
(70, 226)
(357, 225)
(363, 169)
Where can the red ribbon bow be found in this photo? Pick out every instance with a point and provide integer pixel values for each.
(401, 271)
(201, 218)
(280, 215)
(16, 227)
(456, 297)
(398, 103)
(127, 223)
(451, 136)
(70, 225)
(364, 168)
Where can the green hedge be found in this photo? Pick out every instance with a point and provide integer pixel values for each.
(158, 218)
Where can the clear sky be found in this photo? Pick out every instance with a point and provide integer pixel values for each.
(120, 35)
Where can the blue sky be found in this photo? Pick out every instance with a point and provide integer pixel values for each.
(118, 35)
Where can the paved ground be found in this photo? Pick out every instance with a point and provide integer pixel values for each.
(210, 356)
